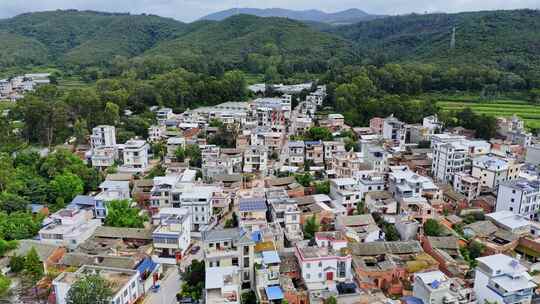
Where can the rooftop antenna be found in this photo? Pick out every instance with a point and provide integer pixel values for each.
(453, 40)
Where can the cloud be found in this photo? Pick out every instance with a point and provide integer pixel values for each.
(189, 10)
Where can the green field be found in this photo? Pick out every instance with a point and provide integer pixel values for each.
(530, 113)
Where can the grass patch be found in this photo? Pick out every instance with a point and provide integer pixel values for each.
(530, 113)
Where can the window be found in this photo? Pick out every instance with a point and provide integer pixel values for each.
(320, 264)
(308, 276)
(308, 265)
(320, 275)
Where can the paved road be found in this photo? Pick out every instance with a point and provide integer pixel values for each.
(170, 286)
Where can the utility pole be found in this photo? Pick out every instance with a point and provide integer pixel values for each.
(453, 39)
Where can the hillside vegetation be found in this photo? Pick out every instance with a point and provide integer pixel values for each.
(81, 37)
(257, 43)
(277, 48)
(506, 39)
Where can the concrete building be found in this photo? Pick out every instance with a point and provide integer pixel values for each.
(199, 200)
(172, 236)
(110, 191)
(394, 130)
(126, 285)
(326, 263)
(491, 170)
(295, 153)
(501, 279)
(467, 185)
(230, 247)
(314, 152)
(135, 155)
(256, 160)
(520, 197)
(451, 155)
(68, 227)
(103, 136)
(434, 287)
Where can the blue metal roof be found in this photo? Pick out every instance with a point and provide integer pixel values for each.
(256, 236)
(83, 200)
(146, 265)
(274, 293)
(270, 257)
(412, 300)
(252, 204)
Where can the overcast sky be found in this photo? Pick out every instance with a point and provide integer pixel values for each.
(189, 10)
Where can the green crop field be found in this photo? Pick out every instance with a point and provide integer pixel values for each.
(528, 112)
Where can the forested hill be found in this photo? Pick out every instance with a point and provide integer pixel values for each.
(254, 42)
(80, 37)
(503, 38)
(506, 40)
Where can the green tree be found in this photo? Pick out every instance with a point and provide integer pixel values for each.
(91, 289)
(318, 133)
(5, 283)
(304, 179)
(65, 187)
(310, 227)
(80, 131)
(232, 222)
(360, 207)
(322, 187)
(194, 278)
(330, 300)
(16, 263)
(120, 214)
(10, 202)
(433, 228)
(180, 154)
(193, 152)
(249, 297)
(19, 225)
(33, 268)
(111, 114)
(6, 246)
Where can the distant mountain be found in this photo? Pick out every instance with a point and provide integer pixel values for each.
(344, 17)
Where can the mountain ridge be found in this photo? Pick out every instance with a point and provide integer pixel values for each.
(348, 16)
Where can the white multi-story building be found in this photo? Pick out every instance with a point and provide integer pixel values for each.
(346, 192)
(404, 183)
(69, 227)
(135, 155)
(394, 130)
(324, 263)
(172, 236)
(156, 133)
(199, 201)
(230, 247)
(502, 279)
(492, 170)
(434, 287)
(451, 155)
(103, 136)
(126, 285)
(467, 185)
(295, 153)
(103, 157)
(520, 196)
(256, 160)
(164, 114)
(161, 193)
(110, 191)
